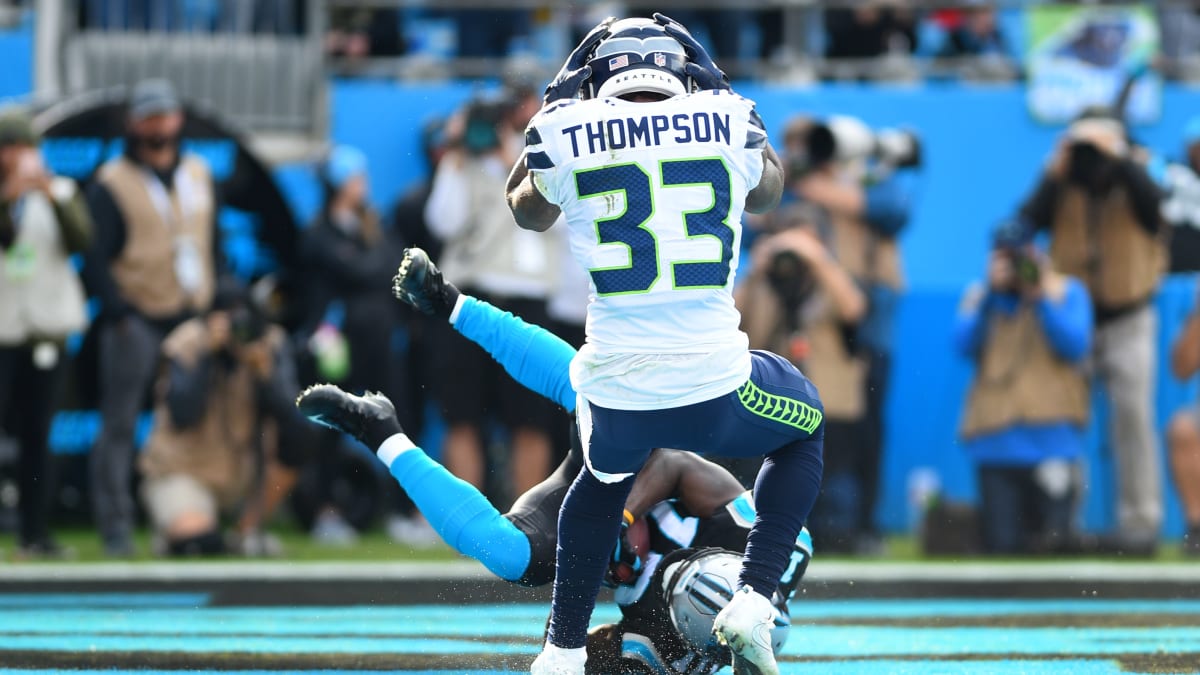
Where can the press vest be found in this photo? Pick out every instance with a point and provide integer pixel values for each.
(866, 254)
(1100, 242)
(40, 293)
(1020, 380)
(146, 270)
(839, 376)
(219, 450)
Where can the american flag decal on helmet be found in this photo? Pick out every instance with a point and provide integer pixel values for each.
(660, 59)
(618, 62)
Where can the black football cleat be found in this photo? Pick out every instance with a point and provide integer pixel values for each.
(370, 418)
(419, 283)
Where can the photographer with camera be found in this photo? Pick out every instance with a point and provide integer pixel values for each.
(798, 301)
(1028, 330)
(861, 183)
(489, 257)
(43, 221)
(1101, 209)
(228, 376)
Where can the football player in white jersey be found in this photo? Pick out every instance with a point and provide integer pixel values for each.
(651, 159)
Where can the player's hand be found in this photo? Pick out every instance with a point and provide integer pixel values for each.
(701, 68)
(575, 71)
(625, 566)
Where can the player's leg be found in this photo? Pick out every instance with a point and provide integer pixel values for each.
(532, 355)
(588, 527)
(455, 509)
(777, 404)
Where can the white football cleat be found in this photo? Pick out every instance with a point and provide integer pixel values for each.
(559, 661)
(745, 627)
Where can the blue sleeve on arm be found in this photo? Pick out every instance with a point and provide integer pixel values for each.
(969, 328)
(889, 204)
(534, 356)
(1068, 324)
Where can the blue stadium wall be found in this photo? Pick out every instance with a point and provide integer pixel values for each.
(983, 153)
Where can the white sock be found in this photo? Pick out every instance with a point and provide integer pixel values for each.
(458, 303)
(390, 449)
(573, 655)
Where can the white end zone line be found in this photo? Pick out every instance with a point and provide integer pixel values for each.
(978, 572)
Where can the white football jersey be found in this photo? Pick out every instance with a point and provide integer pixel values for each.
(652, 195)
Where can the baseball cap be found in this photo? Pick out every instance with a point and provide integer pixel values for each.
(153, 97)
(16, 128)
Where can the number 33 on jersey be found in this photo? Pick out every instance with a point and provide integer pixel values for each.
(652, 194)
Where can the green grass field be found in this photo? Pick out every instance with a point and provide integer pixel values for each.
(374, 545)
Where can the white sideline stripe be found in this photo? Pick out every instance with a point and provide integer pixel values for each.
(833, 572)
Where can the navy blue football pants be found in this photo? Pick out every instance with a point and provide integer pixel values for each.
(776, 414)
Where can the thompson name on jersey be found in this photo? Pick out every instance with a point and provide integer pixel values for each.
(652, 194)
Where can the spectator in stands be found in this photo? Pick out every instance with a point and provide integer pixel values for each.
(347, 253)
(490, 33)
(489, 257)
(227, 377)
(1183, 433)
(1101, 209)
(973, 31)
(870, 30)
(153, 265)
(1028, 330)
(360, 32)
(798, 301)
(43, 220)
(864, 201)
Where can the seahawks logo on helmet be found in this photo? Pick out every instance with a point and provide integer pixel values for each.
(638, 56)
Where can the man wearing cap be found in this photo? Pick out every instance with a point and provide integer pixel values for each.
(153, 265)
(1101, 209)
(43, 220)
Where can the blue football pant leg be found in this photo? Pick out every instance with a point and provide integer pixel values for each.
(463, 517)
(784, 493)
(533, 356)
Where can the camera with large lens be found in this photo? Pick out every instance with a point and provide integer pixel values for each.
(791, 279)
(247, 324)
(1013, 240)
(1089, 167)
(481, 134)
(847, 139)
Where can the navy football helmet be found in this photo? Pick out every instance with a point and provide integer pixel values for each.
(638, 56)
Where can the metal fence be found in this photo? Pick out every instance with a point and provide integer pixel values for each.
(260, 64)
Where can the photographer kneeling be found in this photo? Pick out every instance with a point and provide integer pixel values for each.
(798, 301)
(226, 377)
(1028, 329)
